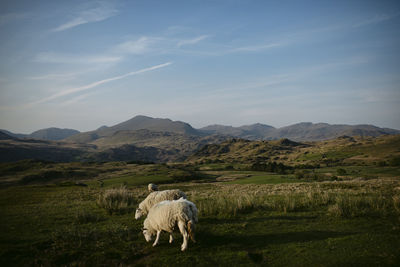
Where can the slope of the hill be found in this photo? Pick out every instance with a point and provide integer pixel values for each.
(343, 150)
(305, 131)
(136, 123)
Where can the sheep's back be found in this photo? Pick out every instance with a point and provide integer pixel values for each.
(159, 196)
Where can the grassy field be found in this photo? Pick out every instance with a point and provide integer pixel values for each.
(246, 218)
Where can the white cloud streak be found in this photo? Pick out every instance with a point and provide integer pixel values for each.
(102, 12)
(192, 41)
(137, 47)
(374, 20)
(76, 99)
(95, 84)
(255, 48)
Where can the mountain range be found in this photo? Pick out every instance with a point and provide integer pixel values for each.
(304, 131)
(155, 139)
(45, 134)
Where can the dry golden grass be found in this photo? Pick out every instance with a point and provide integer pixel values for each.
(117, 200)
(339, 199)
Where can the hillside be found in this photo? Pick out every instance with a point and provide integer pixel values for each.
(252, 132)
(342, 150)
(16, 135)
(163, 140)
(4, 136)
(141, 145)
(175, 143)
(136, 123)
(308, 131)
(53, 133)
(305, 131)
(21, 149)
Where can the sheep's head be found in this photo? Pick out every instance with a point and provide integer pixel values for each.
(147, 234)
(138, 213)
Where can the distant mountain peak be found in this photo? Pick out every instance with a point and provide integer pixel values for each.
(53, 133)
(139, 122)
(303, 131)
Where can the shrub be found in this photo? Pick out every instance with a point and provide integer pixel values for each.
(395, 161)
(299, 174)
(341, 172)
(271, 167)
(396, 203)
(117, 200)
(382, 164)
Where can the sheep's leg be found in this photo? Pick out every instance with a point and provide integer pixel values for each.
(171, 238)
(182, 228)
(157, 238)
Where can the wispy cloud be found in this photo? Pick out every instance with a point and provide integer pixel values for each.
(139, 46)
(255, 48)
(102, 11)
(155, 44)
(95, 84)
(192, 41)
(76, 99)
(51, 57)
(374, 20)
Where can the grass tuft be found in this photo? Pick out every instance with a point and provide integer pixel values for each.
(117, 200)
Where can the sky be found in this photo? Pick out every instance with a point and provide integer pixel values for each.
(85, 64)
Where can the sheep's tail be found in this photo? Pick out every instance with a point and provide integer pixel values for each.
(191, 228)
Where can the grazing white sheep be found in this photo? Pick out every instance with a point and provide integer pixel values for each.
(156, 197)
(152, 187)
(166, 215)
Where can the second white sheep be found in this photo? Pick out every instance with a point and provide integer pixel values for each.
(156, 197)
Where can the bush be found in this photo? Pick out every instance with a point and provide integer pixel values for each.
(382, 163)
(299, 174)
(395, 161)
(341, 172)
(271, 167)
(117, 200)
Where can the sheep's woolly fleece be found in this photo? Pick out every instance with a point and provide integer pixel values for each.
(156, 197)
(165, 215)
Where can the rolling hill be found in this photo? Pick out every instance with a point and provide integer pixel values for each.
(345, 150)
(53, 134)
(163, 140)
(136, 123)
(305, 131)
(45, 134)
(252, 132)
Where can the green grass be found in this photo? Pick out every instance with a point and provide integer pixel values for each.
(63, 226)
(263, 219)
(363, 171)
(137, 180)
(266, 178)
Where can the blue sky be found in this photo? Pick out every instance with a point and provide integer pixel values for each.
(84, 64)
